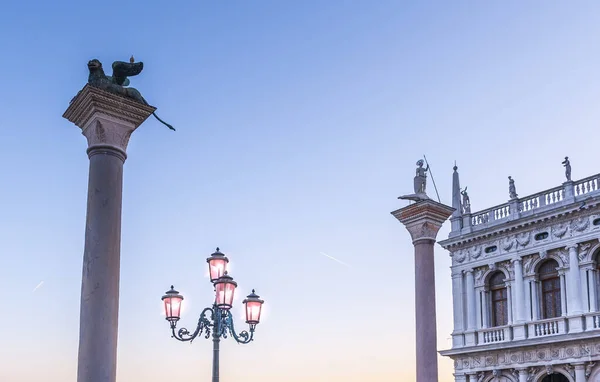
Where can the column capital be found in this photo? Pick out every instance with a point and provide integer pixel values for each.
(106, 119)
(423, 219)
(572, 247)
(516, 260)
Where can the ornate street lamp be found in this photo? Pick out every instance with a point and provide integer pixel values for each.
(216, 320)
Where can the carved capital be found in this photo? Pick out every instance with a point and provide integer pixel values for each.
(106, 120)
(423, 219)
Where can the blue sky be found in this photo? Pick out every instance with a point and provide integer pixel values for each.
(298, 125)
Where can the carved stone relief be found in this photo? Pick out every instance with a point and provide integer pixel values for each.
(583, 250)
(580, 224)
(476, 251)
(559, 230)
(523, 238)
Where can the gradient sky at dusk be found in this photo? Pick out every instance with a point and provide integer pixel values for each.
(298, 125)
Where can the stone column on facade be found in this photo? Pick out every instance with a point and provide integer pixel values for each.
(509, 302)
(580, 372)
(460, 378)
(107, 121)
(485, 307)
(457, 304)
(592, 274)
(423, 221)
(472, 377)
(574, 292)
(471, 308)
(523, 375)
(535, 300)
(519, 318)
(563, 293)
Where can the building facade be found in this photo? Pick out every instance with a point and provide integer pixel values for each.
(526, 285)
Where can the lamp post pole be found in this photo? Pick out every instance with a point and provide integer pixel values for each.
(215, 321)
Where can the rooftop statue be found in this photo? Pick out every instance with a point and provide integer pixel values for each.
(567, 165)
(512, 190)
(466, 201)
(118, 82)
(420, 184)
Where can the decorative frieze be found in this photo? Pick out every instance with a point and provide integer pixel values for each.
(531, 357)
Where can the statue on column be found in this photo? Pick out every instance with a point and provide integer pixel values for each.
(420, 183)
(466, 202)
(512, 190)
(567, 165)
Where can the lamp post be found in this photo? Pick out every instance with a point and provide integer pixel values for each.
(216, 320)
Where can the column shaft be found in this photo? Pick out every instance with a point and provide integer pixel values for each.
(519, 292)
(101, 266)
(574, 290)
(592, 287)
(471, 310)
(426, 333)
(535, 303)
(563, 295)
(580, 373)
(457, 301)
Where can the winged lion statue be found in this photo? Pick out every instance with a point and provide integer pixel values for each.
(118, 82)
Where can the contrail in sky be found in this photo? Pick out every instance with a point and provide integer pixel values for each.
(38, 287)
(334, 259)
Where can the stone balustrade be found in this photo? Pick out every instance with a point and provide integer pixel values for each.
(549, 199)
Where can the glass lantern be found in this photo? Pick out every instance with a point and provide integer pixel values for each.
(225, 288)
(217, 265)
(253, 309)
(172, 302)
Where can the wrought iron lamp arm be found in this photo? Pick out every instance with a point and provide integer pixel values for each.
(205, 323)
(243, 337)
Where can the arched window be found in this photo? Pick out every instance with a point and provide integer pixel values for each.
(499, 299)
(550, 289)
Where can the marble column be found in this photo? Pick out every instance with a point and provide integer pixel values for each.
(580, 373)
(536, 303)
(592, 274)
(563, 294)
(423, 221)
(460, 378)
(519, 332)
(574, 290)
(457, 304)
(471, 306)
(575, 304)
(107, 121)
(523, 375)
(519, 292)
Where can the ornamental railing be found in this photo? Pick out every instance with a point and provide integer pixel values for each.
(548, 199)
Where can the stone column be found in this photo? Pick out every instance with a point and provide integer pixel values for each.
(592, 290)
(563, 293)
(107, 121)
(485, 307)
(536, 303)
(580, 372)
(471, 309)
(519, 316)
(460, 378)
(457, 304)
(523, 375)
(574, 289)
(423, 221)
(575, 306)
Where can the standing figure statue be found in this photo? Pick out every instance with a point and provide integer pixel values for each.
(466, 202)
(420, 183)
(567, 165)
(512, 190)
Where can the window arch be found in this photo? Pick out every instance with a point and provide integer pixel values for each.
(550, 285)
(499, 297)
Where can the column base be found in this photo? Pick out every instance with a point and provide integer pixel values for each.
(519, 331)
(470, 338)
(576, 324)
